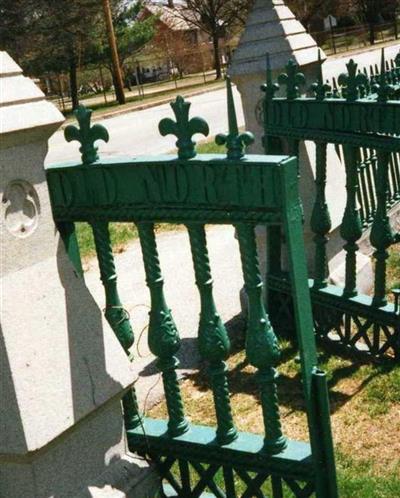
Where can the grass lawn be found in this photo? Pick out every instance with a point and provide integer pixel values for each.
(365, 403)
(393, 274)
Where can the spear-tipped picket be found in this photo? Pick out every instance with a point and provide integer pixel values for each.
(235, 142)
(382, 87)
(320, 88)
(270, 88)
(86, 134)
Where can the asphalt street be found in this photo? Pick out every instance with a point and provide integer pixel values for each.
(136, 132)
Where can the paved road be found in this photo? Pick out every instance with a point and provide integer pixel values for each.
(137, 133)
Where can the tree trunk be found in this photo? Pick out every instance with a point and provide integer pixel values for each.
(217, 58)
(371, 34)
(73, 83)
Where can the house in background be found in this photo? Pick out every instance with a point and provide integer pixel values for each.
(178, 46)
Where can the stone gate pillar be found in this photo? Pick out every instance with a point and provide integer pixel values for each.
(62, 371)
(272, 29)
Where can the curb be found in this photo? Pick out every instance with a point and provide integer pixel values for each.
(149, 105)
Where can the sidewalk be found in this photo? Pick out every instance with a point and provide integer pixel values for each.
(181, 295)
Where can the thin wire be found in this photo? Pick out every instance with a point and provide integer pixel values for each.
(149, 391)
(138, 343)
(148, 458)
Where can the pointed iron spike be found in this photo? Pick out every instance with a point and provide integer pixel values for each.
(320, 67)
(269, 71)
(232, 120)
(383, 66)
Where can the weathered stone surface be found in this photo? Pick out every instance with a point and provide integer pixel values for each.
(90, 462)
(23, 107)
(272, 28)
(63, 372)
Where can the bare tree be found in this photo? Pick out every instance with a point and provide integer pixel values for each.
(374, 11)
(307, 10)
(216, 18)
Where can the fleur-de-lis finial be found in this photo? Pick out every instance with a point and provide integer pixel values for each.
(269, 87)
(293, 79)
(381, 87)
(86, 135)
(320, 88)
(352, 81)
(183, 128)
(235, 141)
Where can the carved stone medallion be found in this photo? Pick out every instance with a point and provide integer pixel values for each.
(21, 208)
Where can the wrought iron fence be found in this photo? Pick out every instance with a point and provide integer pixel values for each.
(194, 190)
(338, 40)
(360, 116)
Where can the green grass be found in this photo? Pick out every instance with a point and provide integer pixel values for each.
(365, 416)
(120, 233)
(393, 269)
(384, 390)
(354, 480)
(210, 147)
(359, 480)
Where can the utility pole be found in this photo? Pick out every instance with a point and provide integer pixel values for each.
(118, 83)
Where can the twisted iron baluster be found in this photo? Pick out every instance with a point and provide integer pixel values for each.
(116, 315)
(214, 344)
(163, 337)
(262, 348)
(396, 169)
(371, 181)
(364, 188)
(320, 219)
(382, 236)
(351, 228)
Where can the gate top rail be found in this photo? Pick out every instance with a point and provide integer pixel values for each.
(362, 114)
(214, 188)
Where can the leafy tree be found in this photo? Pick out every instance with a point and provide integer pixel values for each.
(16, 17)
(63, 35)
(307, 10)
(55, 37)
(131, 34)
(216, 18)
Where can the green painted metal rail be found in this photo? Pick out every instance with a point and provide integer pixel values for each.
(361, 117)
(243, 190)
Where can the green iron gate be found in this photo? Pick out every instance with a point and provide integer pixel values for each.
(196, 190)
(363, 123)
